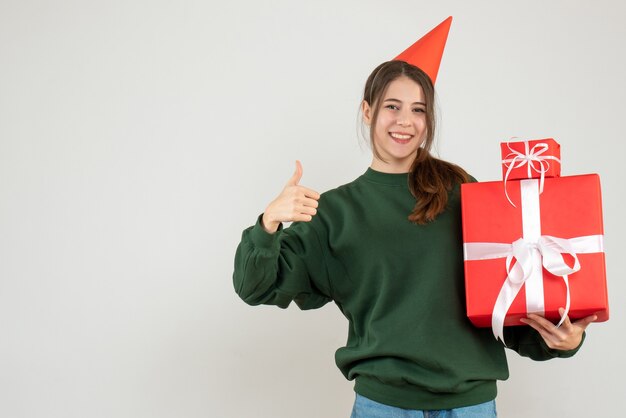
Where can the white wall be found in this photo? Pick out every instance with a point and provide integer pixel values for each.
(139, 138)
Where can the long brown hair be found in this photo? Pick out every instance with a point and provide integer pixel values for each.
(430, 178)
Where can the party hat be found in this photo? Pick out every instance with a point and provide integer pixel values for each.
(426, 52)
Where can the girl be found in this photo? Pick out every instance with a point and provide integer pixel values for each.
(387, 249)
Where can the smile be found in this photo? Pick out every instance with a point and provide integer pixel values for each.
(400, 138)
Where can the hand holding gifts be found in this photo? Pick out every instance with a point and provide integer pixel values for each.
(566, 337)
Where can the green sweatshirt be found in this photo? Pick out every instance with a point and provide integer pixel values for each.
(400, 286)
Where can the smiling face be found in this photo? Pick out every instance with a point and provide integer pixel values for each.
(399, 127)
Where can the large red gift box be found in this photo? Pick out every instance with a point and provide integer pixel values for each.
(530, 159)
(553, 227)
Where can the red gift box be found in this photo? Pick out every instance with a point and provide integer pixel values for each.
(538, 158)
(519, 259)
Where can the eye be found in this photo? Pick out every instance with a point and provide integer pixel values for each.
(419, 109)
(391, 106)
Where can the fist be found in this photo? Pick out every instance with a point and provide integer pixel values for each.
(295, 203)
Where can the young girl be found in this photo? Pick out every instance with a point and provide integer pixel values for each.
(387, 249)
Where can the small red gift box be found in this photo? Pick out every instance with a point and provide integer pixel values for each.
(533, 256)
(538, 158)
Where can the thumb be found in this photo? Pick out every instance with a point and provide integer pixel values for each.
(297, 175)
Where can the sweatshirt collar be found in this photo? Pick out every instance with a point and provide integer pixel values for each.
(391, 179)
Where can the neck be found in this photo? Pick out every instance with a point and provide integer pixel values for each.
(391, 167)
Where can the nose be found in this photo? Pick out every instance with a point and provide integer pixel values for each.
(404, 118)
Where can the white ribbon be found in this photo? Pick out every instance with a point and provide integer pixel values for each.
(516, 159)
(527, 256)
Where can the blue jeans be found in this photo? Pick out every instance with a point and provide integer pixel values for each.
(367, 408)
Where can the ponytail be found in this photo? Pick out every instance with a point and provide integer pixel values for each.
(430, 180)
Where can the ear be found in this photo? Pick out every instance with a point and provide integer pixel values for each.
(366, 110)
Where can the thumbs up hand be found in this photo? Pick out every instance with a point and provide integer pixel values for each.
(294, 204)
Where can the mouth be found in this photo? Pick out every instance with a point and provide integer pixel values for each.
(401, 138)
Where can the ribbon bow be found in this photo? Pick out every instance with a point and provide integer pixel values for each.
(516, 159)
(523, 258)
(550, 249)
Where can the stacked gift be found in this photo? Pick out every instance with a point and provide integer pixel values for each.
(533, 242)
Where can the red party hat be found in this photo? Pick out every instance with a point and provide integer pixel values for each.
(426, 52)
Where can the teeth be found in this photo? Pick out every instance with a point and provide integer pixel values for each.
(399, 136)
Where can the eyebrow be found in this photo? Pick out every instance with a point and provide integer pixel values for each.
(398, 101)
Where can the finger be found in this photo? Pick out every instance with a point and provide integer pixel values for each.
(535, 324)
(301, 201)
(308, 211)
(312, 203)
(302, 217)
(584, 322)
(567, 324)
(547, 326)
(297, 175)
(541, 320)
(310, 193)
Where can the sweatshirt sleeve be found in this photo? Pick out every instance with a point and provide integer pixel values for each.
(528, 343)
(275, 269)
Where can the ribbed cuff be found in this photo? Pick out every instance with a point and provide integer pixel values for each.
(263, 239)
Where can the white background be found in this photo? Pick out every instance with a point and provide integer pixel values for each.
(139, 138)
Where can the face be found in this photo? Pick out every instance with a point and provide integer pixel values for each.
(400, 126)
